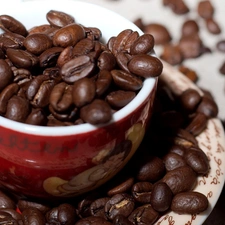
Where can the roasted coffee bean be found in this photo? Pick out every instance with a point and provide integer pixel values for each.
(83, 91)
(189, 202)
(33, 216)
(122, 59)
(77, 68)
(7, 219)
(145, 66)
(126, 81)
(121, 220)
(6, 202)
(106, 61)
(197, 124)
(37, 43)
(15, 216)
(65, 56)
(61, 97)
(103, 82)
(123, 41)
(161, 197)
(39, 29)
(160, 33)
(83, 47)
(119, 99)
(6, 94)
(151, 169)
(59, 19)
(189, 27)
(68, 35)
(180, 179)
(119, 204)
(213, 26)
(208, 107)
(141, 191)
(6, 74)
(18, 109)
(172, 54)
(37, 117)
(39, 90)
(96, 112)
(23, 204)
(177, 149)
(205, 9)
(189, 100)
(142, 44)
(190, 46)
(63, 214)
(122, 187)
(144, 215)
(49, 57)
(197, 160)
(179, 7)
(173, 161)
(93, 220)
(21, 58)
(97, 207)
(16, 38)
(13, 25)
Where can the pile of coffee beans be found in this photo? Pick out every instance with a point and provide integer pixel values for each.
(159, 178)
(61, 73)
(190, 43)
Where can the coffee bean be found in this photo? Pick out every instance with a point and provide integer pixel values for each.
(145, 215)
(6, 74)
(68, 35)
(96, 112)
(6, 202)
(145, 66)
(160, 33)
(180, 179)
(97, 207)
(119, 204)
(93, 220)
(161, 197)
(33, 216)
(59, 19)
(189, 202)
(63, 214)
(189, 27)
(220, 45)
(213, 26)
(121, 220)
(205, 9)
(142, 192)
(173, 161)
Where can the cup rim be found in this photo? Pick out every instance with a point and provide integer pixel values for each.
(147, 88)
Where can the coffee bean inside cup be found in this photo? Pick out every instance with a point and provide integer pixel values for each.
(68, 73)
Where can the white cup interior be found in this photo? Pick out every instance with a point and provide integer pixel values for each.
(33, 13)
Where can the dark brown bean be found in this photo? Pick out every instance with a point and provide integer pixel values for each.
(205, 9)
(13, 25)
(119, 204)
(77, 68)
(59, 19)
(97, 207)
(197, 160)
(173, 161)
(68, 35)
(96, 112)
(103, 82)
(21, 58)
(151, 169)
(142, 45)
(213, 26)
(83, 91)
(144, 215)
(141, 191)
(106, 61)
(145, 66)
(6, 74)
(160, 33)
(37, 43)
(189, 202)
(189, 27)
(93, 220)
(180, 179)
(18, 109)
(6, 202)
(119, 99)
(161, 197)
